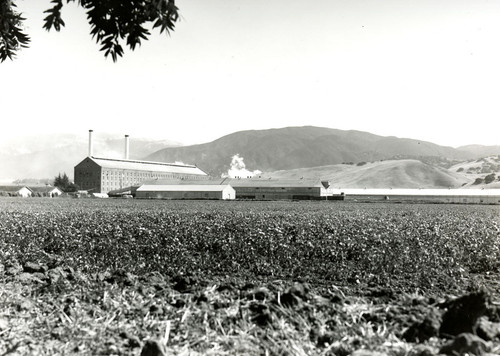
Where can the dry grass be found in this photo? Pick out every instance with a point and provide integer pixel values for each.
(84, 315)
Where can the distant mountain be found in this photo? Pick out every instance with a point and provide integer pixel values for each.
(479, 151)
(45, 156)
(301, 147)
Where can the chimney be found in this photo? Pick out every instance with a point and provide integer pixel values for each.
(126, 147)
(90, 143)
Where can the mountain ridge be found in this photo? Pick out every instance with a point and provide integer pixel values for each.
(301, 147)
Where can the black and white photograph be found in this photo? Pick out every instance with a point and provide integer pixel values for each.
(235, 177)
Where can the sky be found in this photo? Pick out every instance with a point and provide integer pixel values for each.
(422, 69)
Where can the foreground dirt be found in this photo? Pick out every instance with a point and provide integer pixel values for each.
(56, 310)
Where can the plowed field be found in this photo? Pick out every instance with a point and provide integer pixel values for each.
(121, 277)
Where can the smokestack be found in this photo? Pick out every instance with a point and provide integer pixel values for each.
(90, 143)
(127, 147)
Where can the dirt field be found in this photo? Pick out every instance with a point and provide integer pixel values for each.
(124, 277)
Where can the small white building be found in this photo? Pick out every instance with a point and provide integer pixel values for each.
(202, 191)
(45, 191)
(15, 191)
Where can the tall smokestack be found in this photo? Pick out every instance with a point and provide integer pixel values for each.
(90, 143)
(127, 147)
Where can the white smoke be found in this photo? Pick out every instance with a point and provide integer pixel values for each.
(238, 169)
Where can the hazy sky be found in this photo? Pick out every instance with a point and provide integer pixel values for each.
(424, 69)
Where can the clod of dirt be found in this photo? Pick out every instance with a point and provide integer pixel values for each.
(120, 277)
(295, 295)
(25, 305)
(322, 301)
(341, 349)
(327, 338)
(179, 303)
(248, 286)
(300, 290)
(289, 300)
(132, 340)
(53, 260)
(226, 287)
(184, 284)
(363, 352)
(153, 348)
(487, 330)
(260, 293)
(33, 267)
(28, 278)
(463, 313)
(422, 350)
(262, 314)
(383, 293)
(336, 298)
(424, 330)
(13, 268)
(493, 313)
(56, 274)
(465, 343)
(156, 309)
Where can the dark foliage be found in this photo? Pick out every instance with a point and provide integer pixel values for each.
(63, 183)
(489, 178)
(11, 36)
(111, 23)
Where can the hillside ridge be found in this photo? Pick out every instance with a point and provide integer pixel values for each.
(302, 147)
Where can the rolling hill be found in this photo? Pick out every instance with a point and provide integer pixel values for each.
(380, 174)
(301, 147)
(479, 151)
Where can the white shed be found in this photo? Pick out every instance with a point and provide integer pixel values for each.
(219, 192)
(15, 191)
(46, 191)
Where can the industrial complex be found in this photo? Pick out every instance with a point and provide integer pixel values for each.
(102, 175)
(158, 180)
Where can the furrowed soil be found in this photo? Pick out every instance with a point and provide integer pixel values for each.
(127, 277)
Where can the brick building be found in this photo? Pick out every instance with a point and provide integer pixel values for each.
(101, 175)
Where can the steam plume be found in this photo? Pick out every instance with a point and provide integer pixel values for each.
(238, 169)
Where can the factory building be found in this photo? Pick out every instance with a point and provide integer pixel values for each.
(191, 191)
(279, 189)
(101, 175)
(261, 189)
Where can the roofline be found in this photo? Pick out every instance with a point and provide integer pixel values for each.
(188, 187)
(145, 162)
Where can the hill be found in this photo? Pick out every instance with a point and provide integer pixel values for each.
(381, 174)
(481, 173)
(479, 151)
(302, 147)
